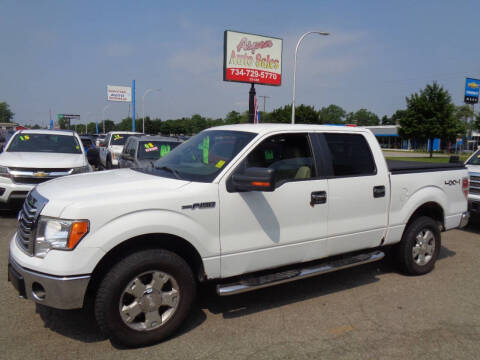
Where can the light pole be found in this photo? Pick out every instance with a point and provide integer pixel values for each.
(143, 106)
(103, 116)
(295, 67)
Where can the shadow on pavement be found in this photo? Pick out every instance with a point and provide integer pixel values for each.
(81, 325)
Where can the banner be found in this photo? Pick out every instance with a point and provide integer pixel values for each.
(472, 89)
(119, 93)
(252, 58)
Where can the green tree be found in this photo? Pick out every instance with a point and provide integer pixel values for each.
(233, 117)
(476, 123)
(6, 115)
(332, 114)
(109, 125)
(430, 114)
(305, 114)
(464, 114)
(363, 117)
(398, 116)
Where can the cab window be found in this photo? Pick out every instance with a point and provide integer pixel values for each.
(290, 155)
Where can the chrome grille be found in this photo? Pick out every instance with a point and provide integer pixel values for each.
(27, 219)
(474, 184)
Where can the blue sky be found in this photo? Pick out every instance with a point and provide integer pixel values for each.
(62, 54)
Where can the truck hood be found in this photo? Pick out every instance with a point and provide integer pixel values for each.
(474, 168)
(104, 185)
(40, 160)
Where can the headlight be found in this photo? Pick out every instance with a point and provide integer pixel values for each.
(81, 169)
(58, 234)
(4, 171)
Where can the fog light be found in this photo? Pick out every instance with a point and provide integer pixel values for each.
(38, 291)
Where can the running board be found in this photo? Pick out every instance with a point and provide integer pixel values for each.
(263, 281)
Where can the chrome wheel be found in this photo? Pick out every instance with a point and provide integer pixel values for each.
(149, 301)
(424, 247)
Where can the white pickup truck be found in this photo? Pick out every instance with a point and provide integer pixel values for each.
(473, 166)
(245, 206)
(112, 146)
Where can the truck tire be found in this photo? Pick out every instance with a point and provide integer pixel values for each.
(420, 246)
(144, 298)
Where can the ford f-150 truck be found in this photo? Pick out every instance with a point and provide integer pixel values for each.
(244, 206)
(473, 165)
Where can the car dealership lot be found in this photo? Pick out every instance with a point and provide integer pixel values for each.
(365, 312)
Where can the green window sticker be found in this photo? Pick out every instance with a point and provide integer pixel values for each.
(164, 150)
(22, 138)
(268, 155)
(206, 148)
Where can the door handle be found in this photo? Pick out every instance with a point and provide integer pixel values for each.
(379, 191)
(318, 197)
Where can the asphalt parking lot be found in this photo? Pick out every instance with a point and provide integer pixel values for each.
(368, 312)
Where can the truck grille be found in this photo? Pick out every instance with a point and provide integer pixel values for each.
(27, 220)
(36, 176)
(474, 184)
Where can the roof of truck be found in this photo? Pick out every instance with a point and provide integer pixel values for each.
(47, 131)
(267, 128)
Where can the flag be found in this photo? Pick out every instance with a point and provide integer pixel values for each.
(255, 118)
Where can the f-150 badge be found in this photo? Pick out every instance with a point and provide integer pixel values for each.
(203, 205)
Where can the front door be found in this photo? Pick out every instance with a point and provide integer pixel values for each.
(260, 230)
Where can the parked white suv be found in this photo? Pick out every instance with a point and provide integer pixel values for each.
(34, 156)
(112, 147)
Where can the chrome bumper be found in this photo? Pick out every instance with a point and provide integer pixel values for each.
(59, 292)
(464, 220)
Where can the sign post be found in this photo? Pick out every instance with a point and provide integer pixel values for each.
(133, 105)
(253, 59)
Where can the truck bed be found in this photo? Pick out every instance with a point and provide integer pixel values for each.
(406, 167)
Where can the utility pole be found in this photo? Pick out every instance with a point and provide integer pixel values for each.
(264, 101)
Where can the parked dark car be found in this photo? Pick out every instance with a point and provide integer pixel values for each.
(91, 150)
(139, 152)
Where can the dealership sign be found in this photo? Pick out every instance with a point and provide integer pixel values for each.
(119, 93)
(472, 87)
(252, 58)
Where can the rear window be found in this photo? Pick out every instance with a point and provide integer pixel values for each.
(119, 139)
(86, 143)
(350, 154)
(154, 150)
(25, 142)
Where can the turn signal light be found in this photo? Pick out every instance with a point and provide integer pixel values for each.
(79, 230)
(260, 183)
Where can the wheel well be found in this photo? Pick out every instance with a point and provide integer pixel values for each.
(173, 243)
(432, 210)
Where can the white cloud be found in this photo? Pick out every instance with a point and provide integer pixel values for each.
(119, 49)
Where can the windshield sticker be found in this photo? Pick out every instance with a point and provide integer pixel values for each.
(77, 147)
(220, 164)
(206, 148)
(164, 150)
(27, 137)
(117, 137)
(268, 154)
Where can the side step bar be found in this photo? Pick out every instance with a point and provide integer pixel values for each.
(263, 281)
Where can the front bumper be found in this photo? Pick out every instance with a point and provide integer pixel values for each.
(474, 206)
(61, 292)
(10, 191)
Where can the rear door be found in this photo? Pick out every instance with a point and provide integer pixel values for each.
(260, 230)
(358, 193)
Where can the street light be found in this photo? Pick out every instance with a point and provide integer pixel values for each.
(103, 116)
(143, 106)
(295, 67)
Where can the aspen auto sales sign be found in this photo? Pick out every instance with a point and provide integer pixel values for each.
(119, 93)
(252, 58)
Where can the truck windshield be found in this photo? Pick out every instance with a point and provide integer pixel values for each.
(202, 157)
(25, 142)
(154, 150)
(475, 159)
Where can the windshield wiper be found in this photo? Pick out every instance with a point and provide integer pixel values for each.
(169, 169)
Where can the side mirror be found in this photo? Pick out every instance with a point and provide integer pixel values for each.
(255, 179)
